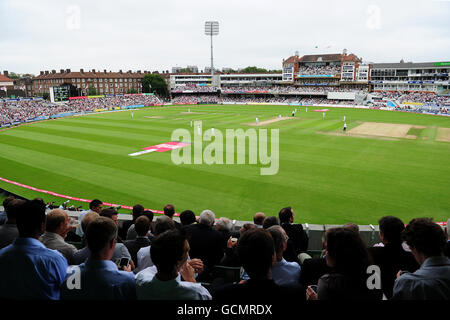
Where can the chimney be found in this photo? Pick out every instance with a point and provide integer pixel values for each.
(46, 72)
(129, 71)
(53, 71)
(104, 70)
(120, 71)
(61, 70)
(93, 71)
(139, 71)
(41, 73)
(68, 70)
(5, 73)
(81, 71)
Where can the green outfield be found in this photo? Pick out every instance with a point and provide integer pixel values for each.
(327, 176)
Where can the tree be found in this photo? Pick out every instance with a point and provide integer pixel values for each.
(13, 75)
(132, 91)
(92, 91)
(155, 83)
(258, 70)
(45, 95)
(253, 70)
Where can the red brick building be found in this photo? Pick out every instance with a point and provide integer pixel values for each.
(5, 82)
(104, 82)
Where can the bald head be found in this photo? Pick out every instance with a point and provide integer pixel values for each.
(258, 218)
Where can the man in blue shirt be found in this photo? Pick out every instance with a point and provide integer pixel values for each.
(284, 273)
(432, 280)
(28, 270)
(99, 277)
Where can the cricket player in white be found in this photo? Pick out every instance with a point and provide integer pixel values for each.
(257, 121)
(132, 114)
(345, 127)
(323, 115)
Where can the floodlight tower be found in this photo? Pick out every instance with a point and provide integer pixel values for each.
(212, 29)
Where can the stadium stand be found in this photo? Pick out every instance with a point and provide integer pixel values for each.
(340, 274)
(14, 111)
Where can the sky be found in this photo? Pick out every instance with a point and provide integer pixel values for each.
(158, 35)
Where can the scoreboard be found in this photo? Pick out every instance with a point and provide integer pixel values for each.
(59, 94)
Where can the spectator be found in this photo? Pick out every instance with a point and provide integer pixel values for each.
(96, 206)
(86, 220)
(270, 221)
(163, 223)
(187, 217)
(99, 276)
(142, 225)
(286, 274)
(169, 210)
(9, 231)
(120, 251)
(146, 266)
(351, 226)
(447, 245)
(114, 216)
(28, 270)
(258, 219)
(205, 241)
(224, 226)
(314, 268)
(136, 213)
(431, 281)
(256, 252)
(56, 228)
(3, 214)
(231, 257)
(246, 227)
(170, 251)
(131, 233)
(298, 239)
(391, 257)
(347, 256)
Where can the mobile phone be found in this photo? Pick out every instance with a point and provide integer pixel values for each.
(123, 262)
(314, 287)
(234, 239)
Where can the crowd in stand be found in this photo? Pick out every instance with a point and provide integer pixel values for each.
(416, 97)
(116, 101)
(319, 70)
(162, 259)
(193, 99)
(21, 110)
(195, 88)
(12, 111)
